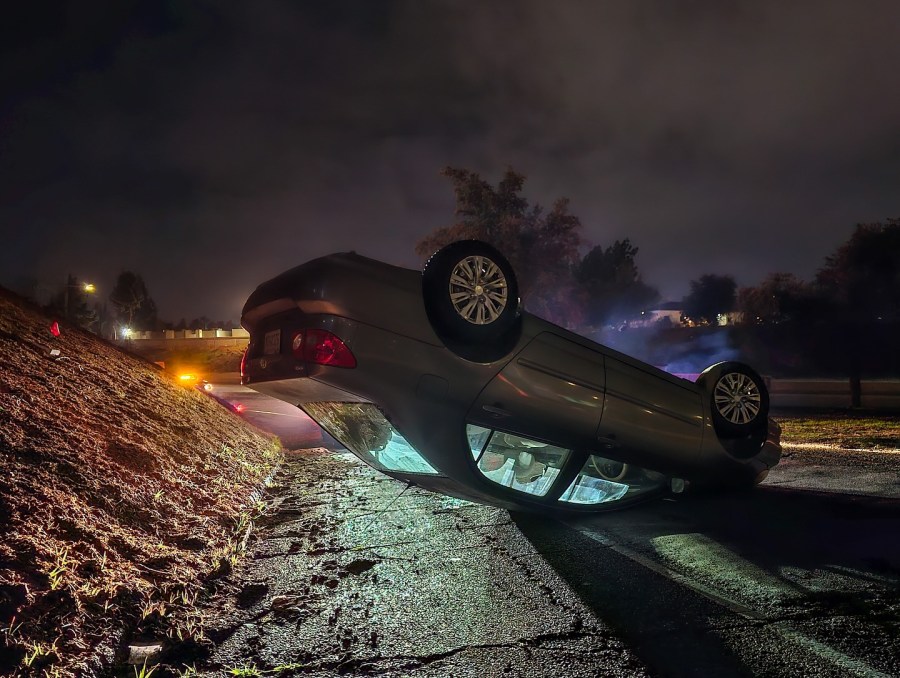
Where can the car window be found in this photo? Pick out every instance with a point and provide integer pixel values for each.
(363, 429)
(477, 436)
(520, 463)
(603, 480)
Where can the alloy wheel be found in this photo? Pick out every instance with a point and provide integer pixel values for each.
(737, 398)
(478, 290)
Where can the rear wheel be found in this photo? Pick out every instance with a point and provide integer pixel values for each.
(471, 294)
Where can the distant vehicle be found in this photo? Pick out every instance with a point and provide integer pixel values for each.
(193, 379)
(189, 379)
(440, 379)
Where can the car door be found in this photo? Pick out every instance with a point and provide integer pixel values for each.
(553, 391)
(649, 419)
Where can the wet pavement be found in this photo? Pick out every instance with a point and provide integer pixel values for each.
(353, 573)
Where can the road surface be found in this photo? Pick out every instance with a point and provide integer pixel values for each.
(353, 573)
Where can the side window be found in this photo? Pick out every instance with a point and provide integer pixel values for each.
(605, 480)
(519, 463)
(477, 436)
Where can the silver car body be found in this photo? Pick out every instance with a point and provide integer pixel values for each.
(552, 390)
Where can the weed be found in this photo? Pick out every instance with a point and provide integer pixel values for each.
(89, 592)
(246, 671)
(187, 672)
(183, 597)
(144, 672)
(61, 565)
(155, 606)
(189, 629)
(39, 650)
(13, 628)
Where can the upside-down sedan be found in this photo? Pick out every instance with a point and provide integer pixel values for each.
(439, 378)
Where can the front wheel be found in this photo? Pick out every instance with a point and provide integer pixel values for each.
(740, 401)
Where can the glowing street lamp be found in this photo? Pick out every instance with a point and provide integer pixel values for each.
(88, 288)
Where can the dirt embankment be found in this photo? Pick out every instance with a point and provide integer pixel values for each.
(121, 492)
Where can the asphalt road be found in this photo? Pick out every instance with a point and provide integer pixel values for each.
(288, 422)
(353, 574)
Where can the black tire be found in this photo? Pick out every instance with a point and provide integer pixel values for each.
(739, 401)
(471, 295)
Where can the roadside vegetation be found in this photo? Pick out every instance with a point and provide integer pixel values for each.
(122, 494)
(840, 429)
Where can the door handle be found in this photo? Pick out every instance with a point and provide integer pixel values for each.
(608, 442)
(496, 410)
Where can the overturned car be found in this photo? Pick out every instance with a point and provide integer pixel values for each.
(440, 379)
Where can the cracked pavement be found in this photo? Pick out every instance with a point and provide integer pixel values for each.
(351, 572)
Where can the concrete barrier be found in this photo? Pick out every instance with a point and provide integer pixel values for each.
(173, 335)
(875, 394)
(181, 342)
(881, 394)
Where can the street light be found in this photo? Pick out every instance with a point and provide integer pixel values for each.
(88, 288)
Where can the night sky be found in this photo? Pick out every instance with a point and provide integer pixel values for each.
(209, 146)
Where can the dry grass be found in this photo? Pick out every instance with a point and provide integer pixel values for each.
(846, 430)
(119, 492)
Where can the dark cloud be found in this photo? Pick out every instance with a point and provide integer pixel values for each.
(209, 146)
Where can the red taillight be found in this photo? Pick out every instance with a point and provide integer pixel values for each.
(321, 347)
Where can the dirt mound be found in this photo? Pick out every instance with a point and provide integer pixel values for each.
(120, 491)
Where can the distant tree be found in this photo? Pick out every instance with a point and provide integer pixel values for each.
(861, 280)
(710, 296)
(105, 326)
(863, 275)
(73, 303)
(612, 283)
(201, 323)
(182, 325)
(543, 247)
(132, 302)
(780, 298)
